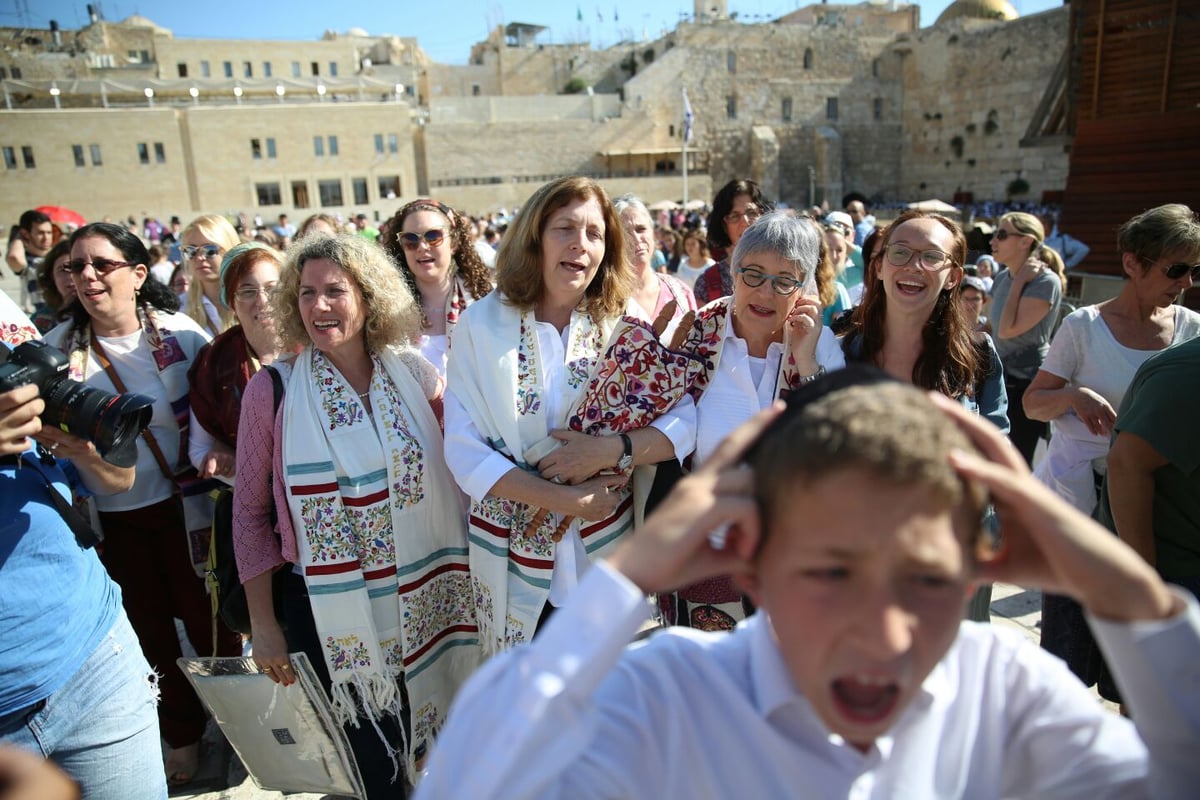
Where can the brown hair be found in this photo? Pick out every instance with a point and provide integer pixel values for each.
(519, 260)
(466, 262)
(1160, 231)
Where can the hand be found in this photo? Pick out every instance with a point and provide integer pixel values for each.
(1094, 410)
(580, 457)
(271, 652)
(24, 776)
(801, 332)
(1027, 273)
(673, 548)
(64, 445)
(20, 410)
(1045, 543)
(597, 500)
(219, 461)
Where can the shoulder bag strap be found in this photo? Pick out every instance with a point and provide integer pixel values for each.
(102, 357)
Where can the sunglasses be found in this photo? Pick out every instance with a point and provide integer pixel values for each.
(782, 284)
(1000, 235)
(1177, 271)
(930, 260)
(103, 266)
(432, 237)
(209, 250)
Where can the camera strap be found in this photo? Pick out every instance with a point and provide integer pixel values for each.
(85, 535)
(102, 357)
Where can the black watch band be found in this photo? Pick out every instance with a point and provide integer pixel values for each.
(626, 459)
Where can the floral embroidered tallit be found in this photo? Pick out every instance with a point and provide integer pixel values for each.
(382, 542)
(497, 373)
(15, 327)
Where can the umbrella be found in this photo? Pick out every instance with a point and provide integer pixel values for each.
(694, 205)
(662, 205)
(63, 216)
(934, 205)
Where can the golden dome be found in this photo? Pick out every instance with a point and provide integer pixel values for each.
(978, 9)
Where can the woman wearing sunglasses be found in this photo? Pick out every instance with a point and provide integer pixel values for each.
(1026, 296)
(761, 341)
(203, 243)
(126, 336)
(436, 252)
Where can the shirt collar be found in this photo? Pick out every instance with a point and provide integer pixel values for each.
(774, 349)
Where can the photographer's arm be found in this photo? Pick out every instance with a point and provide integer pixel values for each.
(98, 475)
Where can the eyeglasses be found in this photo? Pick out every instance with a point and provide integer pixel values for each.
(932, 260)
(750, 214)
(249, 294)
(1001, 234)
(208, 250)
(411, 241)
(782, 284)
(103, 266)
(1177, 271)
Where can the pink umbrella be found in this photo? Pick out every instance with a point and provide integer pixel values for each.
(63, 216)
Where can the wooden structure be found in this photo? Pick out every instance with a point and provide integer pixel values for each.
(1133, 89)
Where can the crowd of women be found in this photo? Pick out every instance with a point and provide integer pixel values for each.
(425, 454)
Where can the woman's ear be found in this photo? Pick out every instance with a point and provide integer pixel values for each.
(1131, 265)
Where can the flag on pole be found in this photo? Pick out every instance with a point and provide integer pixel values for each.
(615, 17)
(688, 117)
(579, 13)
(599, 16)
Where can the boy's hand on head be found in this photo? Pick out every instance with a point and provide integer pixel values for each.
(676, 545)
(1046, 543)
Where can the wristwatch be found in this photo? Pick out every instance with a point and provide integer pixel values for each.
(626, 459)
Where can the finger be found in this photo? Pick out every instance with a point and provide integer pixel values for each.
(982, 433)
(565, 434)
(1007, 486)
(18, 397)
(731, 450)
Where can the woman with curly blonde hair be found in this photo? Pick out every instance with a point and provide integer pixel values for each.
(435, 248)
(204, 242)
(370, 536)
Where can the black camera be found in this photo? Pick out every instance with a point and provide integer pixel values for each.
(112, 422)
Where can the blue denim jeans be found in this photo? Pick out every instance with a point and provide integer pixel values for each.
(101, 727)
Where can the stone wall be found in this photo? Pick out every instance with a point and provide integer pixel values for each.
(280, 55)
(485, 199)
(482, 110)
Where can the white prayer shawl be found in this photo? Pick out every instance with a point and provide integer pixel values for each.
(382, 541)
(496, 371)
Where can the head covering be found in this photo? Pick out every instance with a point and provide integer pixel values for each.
(841, 220)
(974, 282)
(231, 255)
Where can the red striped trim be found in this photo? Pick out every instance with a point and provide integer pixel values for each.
(442, 570)
(332, 569)
(315, 488)
(535, 563)
(585, 532)
(408, 661)
(490, 527)
(376, 574)
(366, 500)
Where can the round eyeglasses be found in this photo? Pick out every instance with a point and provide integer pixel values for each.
(781, 284)
(930, 260)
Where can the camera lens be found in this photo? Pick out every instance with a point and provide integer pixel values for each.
(111, 422)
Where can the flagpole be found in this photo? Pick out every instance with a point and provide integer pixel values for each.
(687, 134)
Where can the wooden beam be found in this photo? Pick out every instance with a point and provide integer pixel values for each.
(1166, 78)
(1099, 53)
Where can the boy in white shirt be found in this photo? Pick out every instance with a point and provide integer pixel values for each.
(854, 525)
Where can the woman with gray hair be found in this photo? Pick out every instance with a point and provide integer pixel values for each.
(343, 486)
(760, 342)
(652, 290)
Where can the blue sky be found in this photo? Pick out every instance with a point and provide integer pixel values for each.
(446, 31)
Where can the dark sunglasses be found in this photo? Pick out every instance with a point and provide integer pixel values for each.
(1002, 234)
(208, 250)
(103, 266)
(1177, 271)
(411, 241)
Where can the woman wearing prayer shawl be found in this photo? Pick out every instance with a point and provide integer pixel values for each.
(520, 361)
(369, 527)
(126, 335)
(435, 248)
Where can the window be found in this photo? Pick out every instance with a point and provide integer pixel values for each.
(95, 151)
(228, 67)
(389, 186)
(268, 194)
(299, 194)
(16, 73)
(359, 187)
(475, 89)
(205, 69)
(255, 149)
(831, 109)
(10, 158)
(247, 69)
(271, 147)
(318, 145)
(182, 68)
(379, 143)
(143, 153)
(160, 153)
(731, 107)
(77, 152)
(333, 146)
(786, 110)
(295, 69)
(330, 192)
(135, 57)
(875, 68)
(333, 69)
(878, 108)
(3, 73)
(266, 69)
(731, 61)
(808, 58)
(27, 157)
(316, 68)
(393, 143)
(145, 56)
